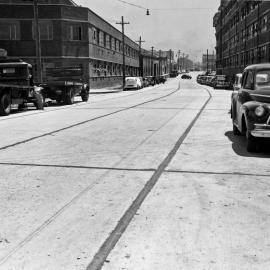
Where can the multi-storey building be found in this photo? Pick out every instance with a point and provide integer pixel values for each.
(242, 34)
(209, 62)
(70, 35)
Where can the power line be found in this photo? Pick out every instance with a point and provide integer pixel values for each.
(131, 4)
(167, 9)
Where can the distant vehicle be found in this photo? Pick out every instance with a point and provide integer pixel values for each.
(133, 83)
(221, 81)
(209, 80)
(250, 105)
(237, 81)
(151, 80)
(17, 87)
(186, 76)
(145, 82)
(162, 79)
(64, 83)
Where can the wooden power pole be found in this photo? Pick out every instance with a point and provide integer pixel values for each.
(123, 48)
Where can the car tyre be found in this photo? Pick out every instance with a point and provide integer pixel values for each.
(39, 101)
(251, 142)
(68, 97)
(85, 96)
(5, 104)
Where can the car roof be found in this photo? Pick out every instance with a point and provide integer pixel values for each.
(258, 66)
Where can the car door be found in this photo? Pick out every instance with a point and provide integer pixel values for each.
(243, 96)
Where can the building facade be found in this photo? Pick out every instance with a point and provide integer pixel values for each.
(209, 62)
(154, 63)
(70, 35)
(242, 35)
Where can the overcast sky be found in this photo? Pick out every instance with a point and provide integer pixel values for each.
(185, 25)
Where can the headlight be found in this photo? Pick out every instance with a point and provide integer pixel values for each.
(260, 111)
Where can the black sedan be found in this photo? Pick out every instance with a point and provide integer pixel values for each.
(186, 76)
(250, 105)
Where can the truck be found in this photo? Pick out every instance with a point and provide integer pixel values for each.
(17, 86)
(62, 84)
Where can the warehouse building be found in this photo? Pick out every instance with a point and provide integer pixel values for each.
(70, 35)
(242, 35)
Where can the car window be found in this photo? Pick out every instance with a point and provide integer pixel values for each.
(249, 80)
(263, 79)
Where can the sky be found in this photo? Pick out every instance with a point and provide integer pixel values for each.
(185, 25)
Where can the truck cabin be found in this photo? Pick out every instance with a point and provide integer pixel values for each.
(16, 72)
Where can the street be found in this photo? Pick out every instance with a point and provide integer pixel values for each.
(152, 179)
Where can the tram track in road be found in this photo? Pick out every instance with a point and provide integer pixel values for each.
(123, 223)
(108, 245)
(51, 133)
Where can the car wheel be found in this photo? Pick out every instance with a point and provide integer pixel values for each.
(68, 97)
(251, 142)
(39, 101)
(85, 96)
(236, 130)
(5, 104)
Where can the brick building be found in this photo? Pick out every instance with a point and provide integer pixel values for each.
(70, 35)
(242, 34)
(154, 64)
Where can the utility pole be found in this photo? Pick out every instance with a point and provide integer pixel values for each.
(184, 62)
(178, 60)
(159, 63)
(170, 60)
(37, 43)
(207, 61)
(152, 56)
(140, 41)
(123, 48)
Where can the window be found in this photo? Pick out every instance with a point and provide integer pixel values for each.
(45, 30)
(9, 31)
(75, 32)
(94, 35)
(264, 23)
(249, 80)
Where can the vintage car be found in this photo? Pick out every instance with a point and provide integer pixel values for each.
(186, 76)
(221, 81)
(250, 105)
(133, 83)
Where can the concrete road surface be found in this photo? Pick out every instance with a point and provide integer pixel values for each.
(137, 180)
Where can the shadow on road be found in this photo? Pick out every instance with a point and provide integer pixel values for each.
(239, 146)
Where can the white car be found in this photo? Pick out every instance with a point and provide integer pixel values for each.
(133, 83)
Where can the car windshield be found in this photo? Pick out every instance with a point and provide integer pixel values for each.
(263, 79)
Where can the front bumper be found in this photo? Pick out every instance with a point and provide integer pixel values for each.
(261, 131)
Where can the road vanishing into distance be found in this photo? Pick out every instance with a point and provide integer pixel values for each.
(137, 180)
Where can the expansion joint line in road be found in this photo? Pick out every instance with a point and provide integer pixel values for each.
(108, 245)
(87, 121)
(50, 220)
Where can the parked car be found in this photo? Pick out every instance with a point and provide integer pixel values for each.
(133, 83)
(237, 81)
(151, 80)
(250, 105)
(186, 76)
(209, 80)
(17, 86)
(221, 81)
(145, 82)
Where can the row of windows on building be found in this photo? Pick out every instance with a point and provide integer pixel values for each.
(252, 31)
(107, 69)
(245, 11)
(255, 55)
(11, 31)
(107, 41)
